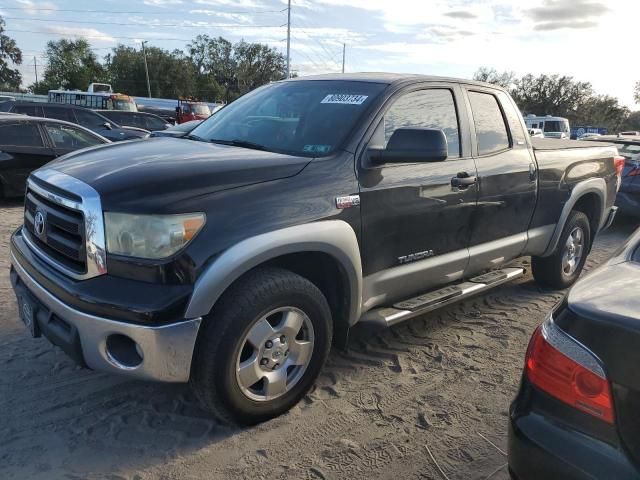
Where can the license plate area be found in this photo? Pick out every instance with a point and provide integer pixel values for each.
(28, 310)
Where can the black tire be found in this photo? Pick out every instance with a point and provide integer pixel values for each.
(549, 271)
(222, 336)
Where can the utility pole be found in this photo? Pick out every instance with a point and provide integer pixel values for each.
(35, 66)
(344, 48)
(146, 69)
(289, 39)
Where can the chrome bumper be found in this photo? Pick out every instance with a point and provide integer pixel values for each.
(165, 351)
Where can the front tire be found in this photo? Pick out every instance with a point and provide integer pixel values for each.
(564, 266)
(262, 346)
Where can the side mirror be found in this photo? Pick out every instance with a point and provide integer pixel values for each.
(178, 110)
(107, 125)
(411, 145)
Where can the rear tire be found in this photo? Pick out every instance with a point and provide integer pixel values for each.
(262, 346)
(563, 267)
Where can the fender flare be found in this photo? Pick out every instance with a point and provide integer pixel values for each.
(333, 237)
(593, 185)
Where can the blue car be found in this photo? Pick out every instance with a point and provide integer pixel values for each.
(628, 199)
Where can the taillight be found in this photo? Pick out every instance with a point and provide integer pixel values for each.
(560, 366)
(618, 162)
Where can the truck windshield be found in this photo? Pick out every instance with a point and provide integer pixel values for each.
(199, 109)
(555, 126)
(309, 118)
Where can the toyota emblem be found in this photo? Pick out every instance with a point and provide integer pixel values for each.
(38, 223)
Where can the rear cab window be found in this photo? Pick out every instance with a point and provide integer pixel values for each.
(491, 131)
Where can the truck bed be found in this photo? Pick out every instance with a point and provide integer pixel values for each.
(543, 144)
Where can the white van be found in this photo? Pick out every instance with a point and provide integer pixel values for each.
(552, 127)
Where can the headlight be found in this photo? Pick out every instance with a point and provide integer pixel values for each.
(150, 236)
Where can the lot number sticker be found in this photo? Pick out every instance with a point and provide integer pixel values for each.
(344, 99)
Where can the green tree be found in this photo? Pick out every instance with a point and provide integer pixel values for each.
(257, 65)
(171, 74)
(491, 75)
(10, 78)
(216, 65)
(72, 65)
(234, 69)
(632, 122)
(551, 95)
(602, 111)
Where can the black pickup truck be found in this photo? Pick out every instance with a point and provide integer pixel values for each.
(233, 258)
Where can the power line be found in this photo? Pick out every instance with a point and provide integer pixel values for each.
(107, 36)
(313, 37)
(72, 10)
(148, 24)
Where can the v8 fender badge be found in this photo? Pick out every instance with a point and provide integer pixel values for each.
(412, 257)
(348, 201)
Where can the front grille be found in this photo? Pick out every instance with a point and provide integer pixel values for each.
(63, 238)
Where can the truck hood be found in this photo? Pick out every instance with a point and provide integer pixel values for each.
(163, 171)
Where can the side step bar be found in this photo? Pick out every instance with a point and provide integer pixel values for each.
(433, 300)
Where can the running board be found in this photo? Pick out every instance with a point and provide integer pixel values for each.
(429, 301)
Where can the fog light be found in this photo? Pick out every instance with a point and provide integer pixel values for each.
(124, 352)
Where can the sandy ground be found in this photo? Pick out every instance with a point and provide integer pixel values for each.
(434, 390)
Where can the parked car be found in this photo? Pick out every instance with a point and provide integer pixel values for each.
(80, 115)
(628, 199)
(145, 121)
(28, 143)
(536, 133)
(588, 136)
(233, 258)
(576, 413)
(179, 130)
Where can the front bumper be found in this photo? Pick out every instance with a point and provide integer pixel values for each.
(161, 353)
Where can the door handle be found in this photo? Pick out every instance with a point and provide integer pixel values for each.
(463, 180)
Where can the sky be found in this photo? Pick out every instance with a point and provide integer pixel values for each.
(591, 40)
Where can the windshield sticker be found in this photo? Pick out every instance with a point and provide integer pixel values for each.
(316, 148)
(344, 99)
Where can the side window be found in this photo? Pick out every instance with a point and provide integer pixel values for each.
(67, 137)
(154, 123)
(491, 131)
(59, 114)
(514, 119)
(425, 108)
(20, 134)
(89, 120)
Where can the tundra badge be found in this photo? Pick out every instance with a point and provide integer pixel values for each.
(412, 257)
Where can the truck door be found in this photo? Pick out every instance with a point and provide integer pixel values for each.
(507, 180)
(416, 217)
